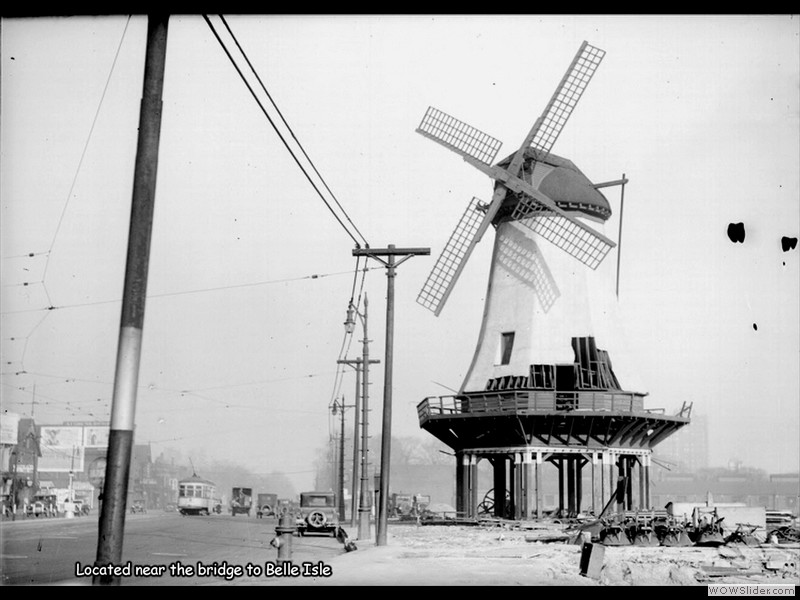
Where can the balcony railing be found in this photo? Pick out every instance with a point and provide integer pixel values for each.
(532, 401)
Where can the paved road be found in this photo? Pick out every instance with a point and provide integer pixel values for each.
(48, 551)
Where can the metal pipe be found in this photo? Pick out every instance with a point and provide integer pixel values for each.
(123, 407)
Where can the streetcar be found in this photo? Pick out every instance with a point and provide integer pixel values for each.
(197, 496)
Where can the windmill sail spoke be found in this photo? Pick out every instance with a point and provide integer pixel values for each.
(458, 136)
(448, 266)
(563, 232)
(548, 127)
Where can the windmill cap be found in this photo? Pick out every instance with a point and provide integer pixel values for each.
(564, 184)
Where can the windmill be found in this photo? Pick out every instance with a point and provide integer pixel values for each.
(522, 186)
(539, 389)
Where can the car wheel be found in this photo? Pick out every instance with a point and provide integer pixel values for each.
(316, 518)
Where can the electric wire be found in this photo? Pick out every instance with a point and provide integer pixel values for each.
(280, 135)
(184, 292)
(263, 87)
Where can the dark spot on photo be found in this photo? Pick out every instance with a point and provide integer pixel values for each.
(736, 232)
(755, 327)
(788, 243)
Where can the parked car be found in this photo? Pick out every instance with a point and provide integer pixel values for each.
(318, 513)
(138, 507)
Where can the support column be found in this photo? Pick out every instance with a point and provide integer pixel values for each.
(603, 466)
(629, 483)
(473, 485)
(578, 484)
(642, 503)
(529, 485)
(594, 483)
(462, 490)
(499, 472)
(560, 466)
(647, 483)
(571, 512)
(538, 477)
(518, 494)
(621, 484)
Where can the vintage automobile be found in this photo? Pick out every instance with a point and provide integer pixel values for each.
(138, 507)
(317, 513)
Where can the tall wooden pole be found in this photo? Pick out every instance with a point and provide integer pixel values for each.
(123, 407)
(386, 434)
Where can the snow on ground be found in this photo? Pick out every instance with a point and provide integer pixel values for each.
(441, 555)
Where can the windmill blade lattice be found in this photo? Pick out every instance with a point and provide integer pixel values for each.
(569, 91)
(458, 136)
(451, 261)
(576, 241)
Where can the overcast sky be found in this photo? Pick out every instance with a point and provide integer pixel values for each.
(251, 273)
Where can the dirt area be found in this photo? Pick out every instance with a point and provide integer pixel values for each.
(475, 555)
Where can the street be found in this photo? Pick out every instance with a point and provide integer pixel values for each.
(159, 548)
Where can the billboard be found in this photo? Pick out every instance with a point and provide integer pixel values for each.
(62, 449)
(9, 425)
(60, 436)
(61, 459)
(95, 437)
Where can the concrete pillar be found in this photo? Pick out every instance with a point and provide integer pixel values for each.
(578, 483)
(560, 467)
(648, 502)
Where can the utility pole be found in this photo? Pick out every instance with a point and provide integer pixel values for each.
(364, 505)
(340, 478)
(357, 365)
(123, 406)
(386, 435)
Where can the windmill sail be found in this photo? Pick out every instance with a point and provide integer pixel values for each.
(458, 136)
(451, 261)
(533, 208)
(579, 242)
(548, 127)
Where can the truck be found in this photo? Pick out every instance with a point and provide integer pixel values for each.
(241, 501)
(267, 505)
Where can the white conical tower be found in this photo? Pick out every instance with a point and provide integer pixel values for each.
(539, 298)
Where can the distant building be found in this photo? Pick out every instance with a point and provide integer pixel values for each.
(687, 449)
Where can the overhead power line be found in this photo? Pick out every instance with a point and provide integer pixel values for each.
(278, 110)
(280, 135)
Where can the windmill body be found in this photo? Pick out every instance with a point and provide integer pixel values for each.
(541, 387)
(539, 298)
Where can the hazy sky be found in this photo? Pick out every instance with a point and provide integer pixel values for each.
(241, 339)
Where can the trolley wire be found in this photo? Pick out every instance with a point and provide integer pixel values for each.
(278, 110)
(280, 135)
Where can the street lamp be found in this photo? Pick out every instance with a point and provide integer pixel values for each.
(364, 506)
